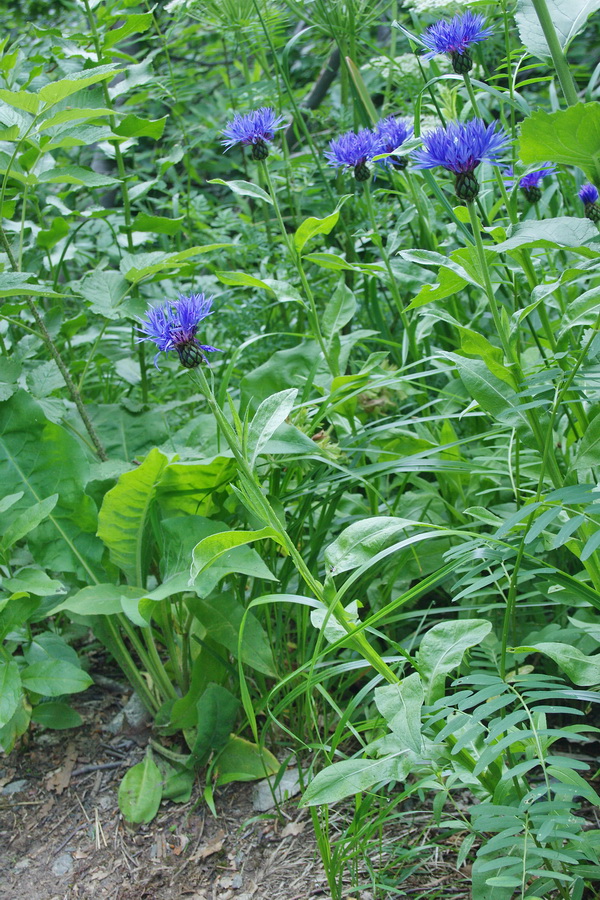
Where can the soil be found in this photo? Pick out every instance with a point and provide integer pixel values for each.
(63, 837)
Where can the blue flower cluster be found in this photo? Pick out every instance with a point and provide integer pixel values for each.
(256, 129)
(173, 326)
(455, 38)
(588, 194)
(530, 183)
(355, 150)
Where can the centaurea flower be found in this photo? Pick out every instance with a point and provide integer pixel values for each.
(455, 37)
(392, 134)
(256, 129)
(460, 148)
(530, 183)
(588, 194)
(173, 326)
(355, 151)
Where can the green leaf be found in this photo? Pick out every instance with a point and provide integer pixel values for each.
(209, 550)
(124, 514)
(448, 283)
(21, 100)
(17, 726)
(400, 705)
(241, 760)
(135, 23)
(105, 292)
(217, 710)
(349, 777)
(16, 613)
(57, 90)
(242, 279)
(443, 648)
(244, 189)
(564, 231)
(311, 227)
(132, 126)
(582, 670)
(76, 175)
(10, 690)
(271, 413)
(568, 20)
(16, 284)
(570, 137)
(71, 115)
(568, 776)
(34, 581)
(359, 542)
(57, 716)
(54, 677)
(339, 311)
(195, 488)
(99, 599)
(222, 617)
(140, 791)
(157, 224)
(26, 521)
(588, 454)
(137, 266)
(57, 231)
(475, 344)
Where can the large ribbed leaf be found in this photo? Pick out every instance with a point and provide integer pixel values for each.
(124, 514)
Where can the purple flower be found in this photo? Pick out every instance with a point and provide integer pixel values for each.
(588, 194)
(392, 133)
(256, 128)
(530, 183)
(460, 147)
(456, 37)
(354, 151)
(173, 326)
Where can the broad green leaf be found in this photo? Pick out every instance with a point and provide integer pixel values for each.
(140, 791)
(582, 670)
(222, 617)
(57, 716)
(21, 100)
(17, 726)
(10, 690)
(359, 542)
(241, 760)
(217, 711)
(244, 189)
(9, 501)
(49, 645)
(99, 599)
(32, 458)
(242, 279)
(447, 283)
(570, 777)
(54, 677)
(209, 550)
(271, 413)
(137, 266)
(135, 23)
(349, 777)
(568, 20)
(76, 175)
(71, 115)
(16, 612)
(17, 284)
(339, 311)
(49, 238)
(157, 224)
(564, 231)
(588, 455)
(178, 783)
(105, 292)
(311, 227)
(443, 648)
(581, 311)
(26, 521)
(124, 514)
(196, 488)
(400, 705)
(132, 126)
(57, 90)
(570, 137)
(338, 263)
(34, 581)
(333, 629)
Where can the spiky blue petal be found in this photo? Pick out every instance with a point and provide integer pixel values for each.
(456, 35)
(173, 326)
(253, 128)
(460, 147)
(588, 193)
(532, 179)
(353, 149)
(392, 133)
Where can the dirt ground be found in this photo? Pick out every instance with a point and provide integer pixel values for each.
(62, 836)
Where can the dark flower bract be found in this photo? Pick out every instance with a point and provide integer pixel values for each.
(588, 194)
(173, 326)
(530, 183)
(354, 150)
(455, 37)
(256, 129)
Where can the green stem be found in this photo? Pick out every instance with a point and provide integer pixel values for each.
(559, 59)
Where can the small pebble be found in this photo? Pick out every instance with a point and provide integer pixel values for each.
(15, 786)
(62, 865)
(22, 864)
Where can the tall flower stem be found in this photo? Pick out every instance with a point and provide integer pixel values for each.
(392, 278)
(55, 354)
(297, 261)
(559, 59)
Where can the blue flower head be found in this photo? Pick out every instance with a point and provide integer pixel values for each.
(173, 326)
(456, 37)
(392, 133)
(530, 183)
(460, 148)
(354, 150)
(256, 129)
(588, 194)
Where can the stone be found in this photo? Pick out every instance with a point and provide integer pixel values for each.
(15, 787)
(62, 865)
(134, 716)
(262, 796)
